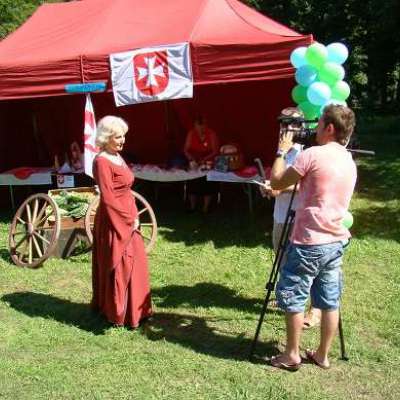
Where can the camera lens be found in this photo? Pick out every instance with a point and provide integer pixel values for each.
(306, 137)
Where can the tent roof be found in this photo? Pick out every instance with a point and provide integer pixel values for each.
(70, 42)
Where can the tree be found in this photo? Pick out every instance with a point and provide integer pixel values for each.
(368, 27)
(15, 12)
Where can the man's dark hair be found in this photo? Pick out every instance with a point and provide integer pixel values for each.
(343, 120)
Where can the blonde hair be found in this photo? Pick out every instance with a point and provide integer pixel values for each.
(107, 127)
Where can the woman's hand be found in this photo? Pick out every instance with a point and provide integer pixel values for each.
(285, 142)
(267, 191)
(136, 224)
(193, 164)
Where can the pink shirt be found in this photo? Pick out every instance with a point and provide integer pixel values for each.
(328, 178)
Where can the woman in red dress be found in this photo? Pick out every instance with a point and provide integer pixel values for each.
(201, 147)
(121, 289)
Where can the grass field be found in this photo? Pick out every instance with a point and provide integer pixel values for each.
(207, 279)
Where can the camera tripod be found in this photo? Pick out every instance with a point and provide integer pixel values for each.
(271, 284)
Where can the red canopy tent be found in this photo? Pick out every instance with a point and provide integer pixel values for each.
(240, 61)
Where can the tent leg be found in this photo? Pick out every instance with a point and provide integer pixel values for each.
(249, 192)
(12, 197)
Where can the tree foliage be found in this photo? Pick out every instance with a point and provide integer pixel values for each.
(370, 29)
(14, 12)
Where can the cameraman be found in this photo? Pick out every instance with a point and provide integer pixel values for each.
(327, 176)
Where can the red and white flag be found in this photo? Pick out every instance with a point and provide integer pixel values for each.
(152, 74)
(89, 134)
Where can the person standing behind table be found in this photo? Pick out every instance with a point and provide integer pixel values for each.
(201, 147)
(327, 175)
(282, 200)
(120, 277)
(281, 206)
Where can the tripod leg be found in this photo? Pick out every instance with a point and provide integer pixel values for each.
(260, 322)
(341, 337)
(270, 286)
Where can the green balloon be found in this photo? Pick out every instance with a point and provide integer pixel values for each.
(340, 91)
(331, 73)
(310, 110)
(313, 125)
(348, 220)
(316, 55)
(299, 94)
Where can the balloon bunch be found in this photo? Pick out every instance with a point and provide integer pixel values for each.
(319, 76)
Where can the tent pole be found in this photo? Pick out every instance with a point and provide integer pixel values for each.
(170, 138)
(166, 116)
(39, 149)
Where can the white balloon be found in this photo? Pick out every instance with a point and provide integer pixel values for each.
(337, 52)
(298, 57)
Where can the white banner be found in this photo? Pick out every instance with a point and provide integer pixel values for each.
(152, 74)
(89, 135)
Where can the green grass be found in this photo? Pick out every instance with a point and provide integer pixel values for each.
(207, 281)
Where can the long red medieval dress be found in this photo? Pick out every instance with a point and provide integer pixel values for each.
(120, 277)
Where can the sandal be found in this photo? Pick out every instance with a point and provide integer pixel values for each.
(292, 367)
(310, 354)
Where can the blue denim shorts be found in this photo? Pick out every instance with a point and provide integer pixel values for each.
(311, 270)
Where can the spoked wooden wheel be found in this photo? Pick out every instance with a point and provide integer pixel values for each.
(147, 219)
(34, 231)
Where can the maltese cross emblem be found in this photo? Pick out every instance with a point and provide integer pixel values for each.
(151, 72)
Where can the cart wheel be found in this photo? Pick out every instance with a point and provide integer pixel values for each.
(147, 219)
(34, 231)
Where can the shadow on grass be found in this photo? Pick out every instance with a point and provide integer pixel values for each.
(202, 336)
(379, 178)
(377, 222)
(205, 294)
(76, 252)
(5, 255)
(224, 228)
(199, 334)
(378, 181)
(229, 223)
(6, 217)
(64, 311)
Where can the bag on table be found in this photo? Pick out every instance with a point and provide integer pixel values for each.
(230, 158)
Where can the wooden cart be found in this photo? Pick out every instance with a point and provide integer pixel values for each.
(37, 224)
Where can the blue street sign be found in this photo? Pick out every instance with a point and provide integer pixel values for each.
(85, 87)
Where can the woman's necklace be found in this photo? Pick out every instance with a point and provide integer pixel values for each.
(203, 138)
(114, 158)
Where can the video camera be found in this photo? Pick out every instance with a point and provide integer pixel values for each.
(302, 133)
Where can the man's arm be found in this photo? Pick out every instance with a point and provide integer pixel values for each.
(282, 177)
